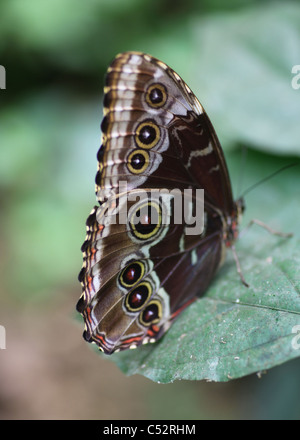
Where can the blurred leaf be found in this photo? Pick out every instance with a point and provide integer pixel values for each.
(59, 32)
(47, 169)
(242, 74)
(234, 331)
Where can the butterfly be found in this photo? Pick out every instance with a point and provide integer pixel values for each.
(139, 274)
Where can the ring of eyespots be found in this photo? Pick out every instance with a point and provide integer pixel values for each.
(156, 95)
(147, 134)
(145, 220)
(152, 314)
(138, 161)
(138, 297)
(132, 274)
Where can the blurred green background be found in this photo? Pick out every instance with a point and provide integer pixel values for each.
(237, 56)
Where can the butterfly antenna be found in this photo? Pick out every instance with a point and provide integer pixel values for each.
(268, 177)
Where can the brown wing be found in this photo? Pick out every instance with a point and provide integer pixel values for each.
(156, 135)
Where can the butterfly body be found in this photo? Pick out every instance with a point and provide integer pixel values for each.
(142, 269)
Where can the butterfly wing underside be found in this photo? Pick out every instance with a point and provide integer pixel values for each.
(138, 275)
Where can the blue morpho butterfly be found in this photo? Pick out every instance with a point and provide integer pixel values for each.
(137, 276)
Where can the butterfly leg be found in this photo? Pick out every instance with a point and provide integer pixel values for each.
(263, 225)
(238, 266)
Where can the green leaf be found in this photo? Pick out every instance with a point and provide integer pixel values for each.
(242, 75)
(233, 330)
(46, 143)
